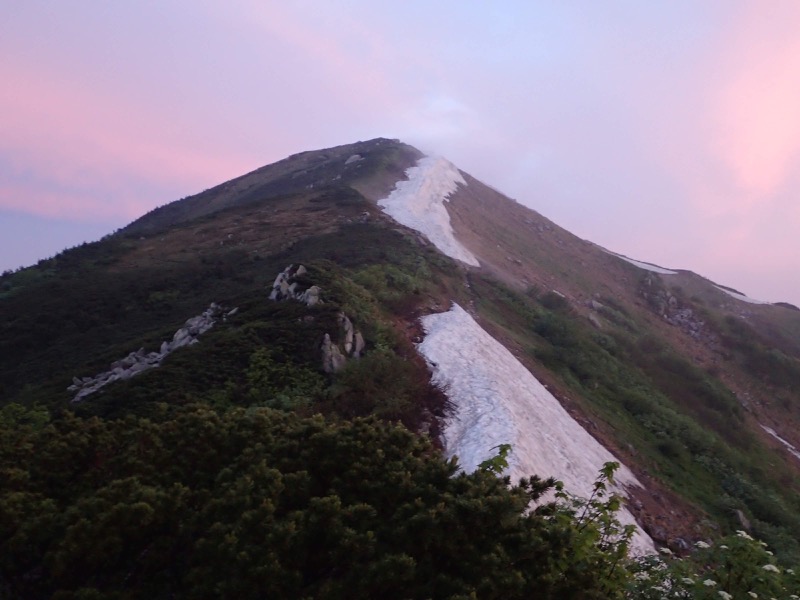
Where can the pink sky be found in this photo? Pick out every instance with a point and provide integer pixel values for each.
(669, 132)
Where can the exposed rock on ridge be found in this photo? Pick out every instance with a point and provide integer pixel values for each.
(140, 361)
(287, 286)
(333, 358)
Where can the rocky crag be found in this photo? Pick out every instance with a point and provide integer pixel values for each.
(140, 361)
(290, 284)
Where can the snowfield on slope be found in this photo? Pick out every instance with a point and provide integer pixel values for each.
(418, 203)
(789, 447)
(741, 297)
(498, 401)
(644, 265)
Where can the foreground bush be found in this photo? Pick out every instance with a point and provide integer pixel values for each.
(257, 503)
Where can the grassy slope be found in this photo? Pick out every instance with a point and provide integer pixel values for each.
(683, 425)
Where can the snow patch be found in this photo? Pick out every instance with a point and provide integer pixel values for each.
(644, 265)
(418, 203)
(792, 450)
(498, 401)
(741, 297)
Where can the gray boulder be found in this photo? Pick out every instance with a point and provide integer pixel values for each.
(333, 360)
(359, 344)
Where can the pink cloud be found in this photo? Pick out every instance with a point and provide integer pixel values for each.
(758, 102)
(89, 141)
(348, 56)
(70, 205)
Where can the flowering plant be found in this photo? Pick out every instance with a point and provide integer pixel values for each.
(736, 566)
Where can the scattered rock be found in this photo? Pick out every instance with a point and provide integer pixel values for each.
(657, 532)
(672, 310)
(595, 305)
(679, 545)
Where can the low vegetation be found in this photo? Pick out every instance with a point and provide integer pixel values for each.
(255, 502)
(684, 425)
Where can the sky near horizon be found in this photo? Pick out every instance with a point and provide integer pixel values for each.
(666, 131)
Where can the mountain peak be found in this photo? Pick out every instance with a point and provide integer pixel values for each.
(439, 303)
(313, 169)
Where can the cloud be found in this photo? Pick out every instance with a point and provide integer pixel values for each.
(668, 132)
(63, 148)
(758, 101)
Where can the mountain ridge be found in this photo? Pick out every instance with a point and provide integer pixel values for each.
(691, 387)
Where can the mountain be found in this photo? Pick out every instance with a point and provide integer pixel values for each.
(371, 280)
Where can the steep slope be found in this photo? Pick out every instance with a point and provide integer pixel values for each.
(693, 389)
(673, 329)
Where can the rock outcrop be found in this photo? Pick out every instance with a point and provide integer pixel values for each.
(335, 358)
(140, 361)
(672, 309)
(289, 285)
(332, 358)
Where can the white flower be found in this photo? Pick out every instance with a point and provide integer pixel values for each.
(724, 595)
(752, 594)
(771, 568)
(790, 572)
(688, 581)
(702, 544)
(709, 583)
(768, 552)
(743, 534)
(723, 547)
(665, 551)
(642, 576)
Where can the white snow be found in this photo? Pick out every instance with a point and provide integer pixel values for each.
(418, 203)
(498, 401)
(741, 297)
(644, 265)
(792, 450)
